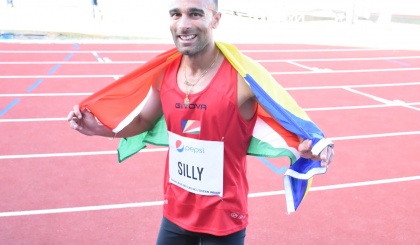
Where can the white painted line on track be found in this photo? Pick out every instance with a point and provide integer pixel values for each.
(78, 51)
(339, 108)
(45, 94)
(340, 59)
(81, 209)
(160, 51)
(370, 136)
(299, 65)
(107, 60)
(95, 54)
(373, 85)
(32, 120)
(341, 186)
(272, 73)
(159, 203)
(163, 149)
(382, 100)
(286, 88)
(73, 154)
(347, 71)
(58, 76)
(395, 103)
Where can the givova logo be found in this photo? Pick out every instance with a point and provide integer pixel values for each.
(179, 145)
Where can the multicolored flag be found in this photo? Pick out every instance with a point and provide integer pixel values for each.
(279, 125)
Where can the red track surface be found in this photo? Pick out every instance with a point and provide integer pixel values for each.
(367, 101)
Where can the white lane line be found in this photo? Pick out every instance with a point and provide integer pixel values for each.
(72, 154)
(45, 94)
(346, 71)
(12, 120)
(341, 186)
(162, 149)
(299, 65)
(395, 103)
(341, 59)
(95, 54)
(272, 73)
(355, 86)
(315, 69)
(159, 203)
(382, 100)
(160, 51)
(339, 108)
(57, 76)
(370, 136)
(107, 60)
(286, 88)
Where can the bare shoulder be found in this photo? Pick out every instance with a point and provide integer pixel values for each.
(158, 80)
(247, 102)
(244, 91)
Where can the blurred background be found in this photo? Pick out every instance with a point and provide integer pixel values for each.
(346, 22)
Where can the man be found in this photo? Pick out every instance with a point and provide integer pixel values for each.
(205, 176)
(96, 9)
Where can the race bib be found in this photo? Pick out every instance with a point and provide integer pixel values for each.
(196, 165)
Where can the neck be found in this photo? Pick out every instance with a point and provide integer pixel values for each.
(198, 62)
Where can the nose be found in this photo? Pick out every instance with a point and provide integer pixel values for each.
(184, 22)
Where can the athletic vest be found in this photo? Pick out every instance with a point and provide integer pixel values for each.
(212, 115)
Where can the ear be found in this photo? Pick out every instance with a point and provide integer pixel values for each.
(216, 19)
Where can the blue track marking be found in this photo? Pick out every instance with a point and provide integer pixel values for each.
(33, 86)
(9, 106)
(38, 82)
(401, 63)
(276, 170)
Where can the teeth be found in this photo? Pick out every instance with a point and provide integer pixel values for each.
(187, 37)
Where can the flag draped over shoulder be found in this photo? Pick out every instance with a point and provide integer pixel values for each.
(279, 124)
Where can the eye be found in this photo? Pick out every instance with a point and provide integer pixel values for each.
(175, 15)
(196, 15)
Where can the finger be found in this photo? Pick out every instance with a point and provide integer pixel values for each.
(70, 116)
(74, 125)
(324, 157)
(329, 154)
(332, 153)
(77, 112)
(308, 144)
(305, 146)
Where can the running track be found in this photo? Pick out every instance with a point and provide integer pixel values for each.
(58, 187)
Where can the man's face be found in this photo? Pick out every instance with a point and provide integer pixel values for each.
(191, 24)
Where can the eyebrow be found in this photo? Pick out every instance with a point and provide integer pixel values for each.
(190, 10)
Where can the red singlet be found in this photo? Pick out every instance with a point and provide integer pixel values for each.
(212, 115)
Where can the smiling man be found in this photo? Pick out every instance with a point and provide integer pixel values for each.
(210, 113)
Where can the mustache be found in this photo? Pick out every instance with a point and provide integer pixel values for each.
(185, 32)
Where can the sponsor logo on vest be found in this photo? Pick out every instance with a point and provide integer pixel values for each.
(237, 216)
(191, 106)
(181, 148)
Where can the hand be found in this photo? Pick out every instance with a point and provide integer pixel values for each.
(326, 156)
(84, 122)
